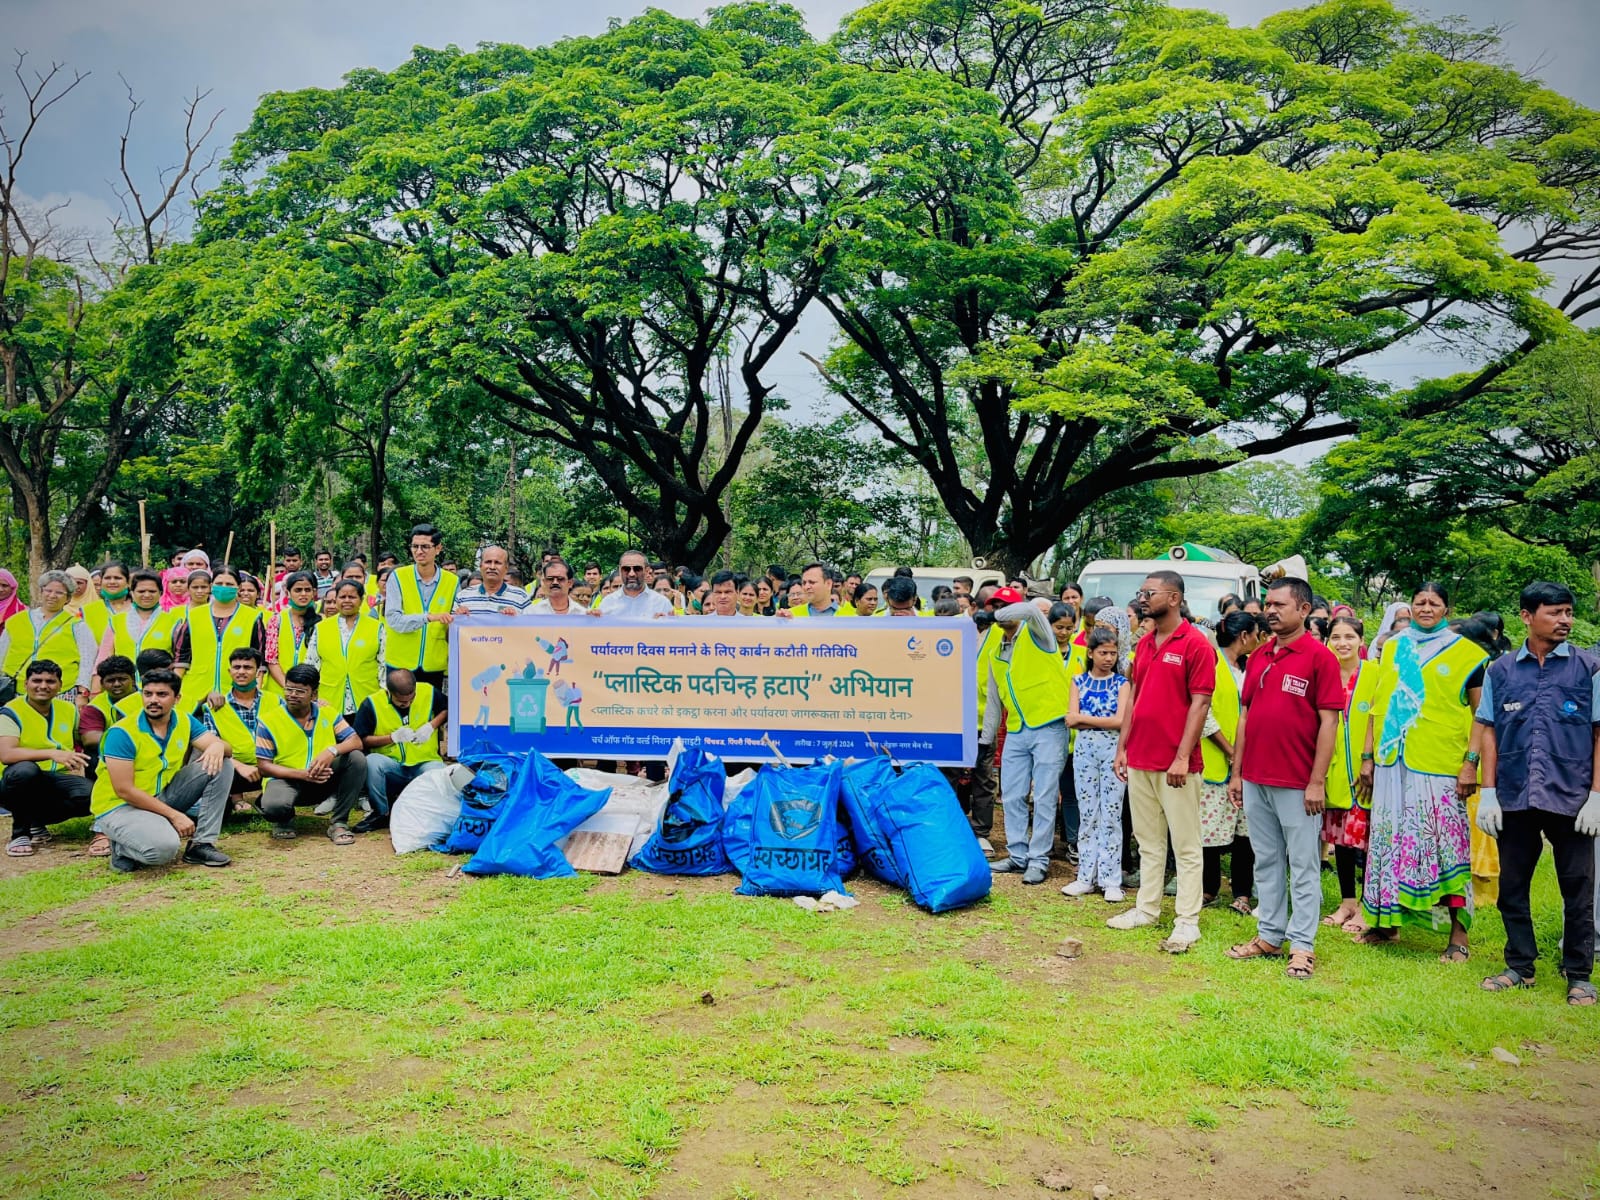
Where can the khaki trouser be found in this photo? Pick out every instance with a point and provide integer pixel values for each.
(1158, 809)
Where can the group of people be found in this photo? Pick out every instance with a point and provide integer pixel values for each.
(1271, 739)
(1283, 738)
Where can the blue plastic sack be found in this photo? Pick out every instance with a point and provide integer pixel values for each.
(737, 822)
(473, 824)
(688, 841)
(483, 799)
(862, 783)
(794, 832)
(542, 807)
(844, 849)
(931, 840)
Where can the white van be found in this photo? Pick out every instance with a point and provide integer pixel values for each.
(1204, 582)
(928, 578)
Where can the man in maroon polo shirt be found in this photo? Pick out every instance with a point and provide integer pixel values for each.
(1158, 754)
(1290, 703)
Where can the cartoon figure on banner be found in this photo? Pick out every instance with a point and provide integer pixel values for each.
(559, 653)
(481, 683)
(569, 696)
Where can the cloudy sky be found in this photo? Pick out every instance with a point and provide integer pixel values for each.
(238, 49)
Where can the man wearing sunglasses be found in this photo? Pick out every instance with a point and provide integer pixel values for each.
(634, 599)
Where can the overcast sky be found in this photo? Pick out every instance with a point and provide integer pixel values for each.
(239, 49)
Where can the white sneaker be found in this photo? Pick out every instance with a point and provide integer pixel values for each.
(1077, 888)
(1115, 895)
(1132, 919)
(1184, 935)
(326, 807)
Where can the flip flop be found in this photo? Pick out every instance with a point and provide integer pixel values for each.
(1581, 995)
(20, 847)
(340, 835)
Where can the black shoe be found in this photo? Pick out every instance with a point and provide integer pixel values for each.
(371, 823)
(202, 855)
(1035, 874)
(1004, 866)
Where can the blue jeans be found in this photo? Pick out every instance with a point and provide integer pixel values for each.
(1288, 846)
(383, 770)
(1032, 761)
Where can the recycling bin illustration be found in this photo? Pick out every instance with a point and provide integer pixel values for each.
(527, 702)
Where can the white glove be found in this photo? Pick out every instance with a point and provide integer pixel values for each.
(401, 736)
(1588, 821)
(1489, 815)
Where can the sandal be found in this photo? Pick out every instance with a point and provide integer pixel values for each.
(99, 846)
(1301, 964)
(1455, 953)
(1581, 995)
(1376, 937)
(340, 835)
(283, 833)
(20, 847)
(1335, 917)
(41, 836)
(1254, 948)
(1507, 980)
(242, 808)
(1241, 905)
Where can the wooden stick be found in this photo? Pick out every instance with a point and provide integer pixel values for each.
(272, 562)
(227, 555)
(144, 538)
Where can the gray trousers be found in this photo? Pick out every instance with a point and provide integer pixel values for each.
(148, 839)
(280, 796)
(1288, 846)
(1032, 761)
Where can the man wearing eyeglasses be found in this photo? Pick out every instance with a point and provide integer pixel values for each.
(557, 581)
(418, 606)
(495, 594)
(634, 599)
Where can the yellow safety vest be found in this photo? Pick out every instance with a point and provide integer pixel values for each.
(289, 654)
(1225, 708)
(97, 616)
(429, 648)
(154, 762)
(1035, 683)
(846, 610)
(358, 662)
(208, 659)
(56, 730)
(1437, 742)
(55, 641)
(419, 717)
(1350, 738)
(294, 746)
(986, 650)
(231, 729)
(132, 703)
(157, 634)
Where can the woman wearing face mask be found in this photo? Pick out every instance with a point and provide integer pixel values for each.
(348, 650)
(143, 625)
(289, 636)
(210, 632)
(1421, 759)
(113, 598)
(50, 631)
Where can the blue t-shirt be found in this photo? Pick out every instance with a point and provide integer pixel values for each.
(118, 744)
(1097, 697)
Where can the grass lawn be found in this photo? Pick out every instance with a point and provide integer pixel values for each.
(337, 1022)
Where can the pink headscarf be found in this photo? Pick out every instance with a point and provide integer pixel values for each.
(9, 608)
(168, 578)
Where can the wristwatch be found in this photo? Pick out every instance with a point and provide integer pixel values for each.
(1472, 757)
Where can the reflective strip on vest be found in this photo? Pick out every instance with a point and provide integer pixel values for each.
(52, 731)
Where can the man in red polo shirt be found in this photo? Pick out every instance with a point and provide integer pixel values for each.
(1290, 702)
(1158, 754)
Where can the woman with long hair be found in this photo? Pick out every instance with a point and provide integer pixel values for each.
(212, 628)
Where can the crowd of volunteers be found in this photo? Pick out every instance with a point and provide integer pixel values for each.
(1426, 763)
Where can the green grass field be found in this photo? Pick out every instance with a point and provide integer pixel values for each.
(327, 1022)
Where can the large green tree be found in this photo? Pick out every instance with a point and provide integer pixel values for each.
(1213, 236)
(585, 232)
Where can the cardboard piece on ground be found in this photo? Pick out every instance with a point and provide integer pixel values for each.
(601, 844)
